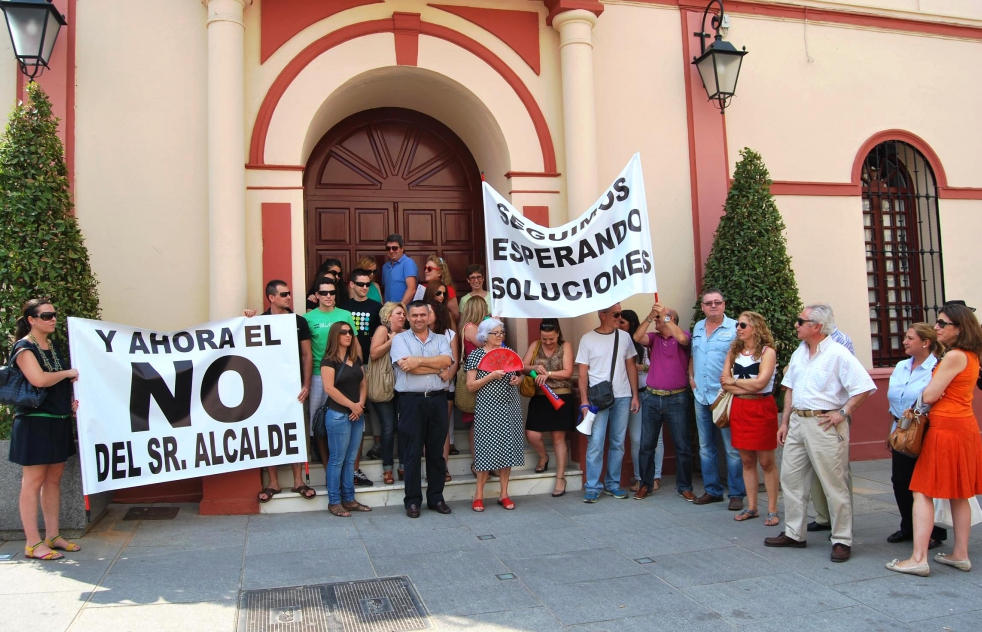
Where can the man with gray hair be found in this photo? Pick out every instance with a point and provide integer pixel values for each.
(825, 385)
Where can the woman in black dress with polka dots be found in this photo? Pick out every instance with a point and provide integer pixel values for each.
(499, 431)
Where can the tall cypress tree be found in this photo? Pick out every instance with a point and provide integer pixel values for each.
(749, 260)
(42, 252)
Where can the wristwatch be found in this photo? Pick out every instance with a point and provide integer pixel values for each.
(845, 415)
(668, 319)
(648, 320)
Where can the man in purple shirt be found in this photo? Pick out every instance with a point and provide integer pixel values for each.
(666, 398)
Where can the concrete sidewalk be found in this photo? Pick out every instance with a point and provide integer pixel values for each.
(660, 564)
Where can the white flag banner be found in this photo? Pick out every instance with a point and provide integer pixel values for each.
(156, 407)
(600, 258)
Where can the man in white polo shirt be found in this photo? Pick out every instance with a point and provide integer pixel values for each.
(825, 385)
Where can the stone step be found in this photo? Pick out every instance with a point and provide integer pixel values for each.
(461, 488)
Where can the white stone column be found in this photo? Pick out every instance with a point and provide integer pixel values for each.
(579, 111)
(226, 158)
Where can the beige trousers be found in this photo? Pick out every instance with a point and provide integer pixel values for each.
(821, 502)
(809, 453)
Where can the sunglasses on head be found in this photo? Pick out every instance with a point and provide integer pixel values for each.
(393, 248)
(327, 292)
(547, 327)
(362, 283)
(46, 316)
(742, 325)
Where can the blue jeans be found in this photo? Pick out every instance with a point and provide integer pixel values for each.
(708, 456)
(616, 417)
(344, 441)
(634, 432)
(672, 411)
(386, 412)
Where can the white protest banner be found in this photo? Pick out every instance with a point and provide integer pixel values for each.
(594, 261)
(156, 407)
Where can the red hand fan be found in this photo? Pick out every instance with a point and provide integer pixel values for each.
(501, 360)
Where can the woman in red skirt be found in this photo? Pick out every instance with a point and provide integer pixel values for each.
(950, 463)
(748, 373)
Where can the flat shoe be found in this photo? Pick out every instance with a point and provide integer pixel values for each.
(922, 570)
(962, 565)
(506, 503)
(746, 514)
(478, 505)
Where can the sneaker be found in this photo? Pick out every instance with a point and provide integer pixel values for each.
(361, 480)
(616, 492)
(374, 453)
(591, 497)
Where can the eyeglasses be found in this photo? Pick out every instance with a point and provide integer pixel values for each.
(393, 248)
(802, 321)
(46, 316)
(712, 303)
(362, 283)
(475, 278)
(496, 333)
(941, 324)
(346, 332)
(284, 294)
(327, 292)
(439, 293)
(431, 269)
(742, 325)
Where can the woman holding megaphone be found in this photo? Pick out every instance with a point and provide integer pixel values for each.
(551, 358)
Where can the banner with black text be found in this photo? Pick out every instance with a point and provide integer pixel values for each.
(157, 407)
(598, 259)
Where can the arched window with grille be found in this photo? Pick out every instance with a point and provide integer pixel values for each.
(903, 245)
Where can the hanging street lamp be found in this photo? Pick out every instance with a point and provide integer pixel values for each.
(33, 26)
(719, 64)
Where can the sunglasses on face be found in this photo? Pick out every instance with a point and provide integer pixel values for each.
(327, 293)
(393, 248)
(440, 293)
(712, 303)
(430, 269)
(742, 325)
(46, 316)
(941, 324)
(362, 283)
(283, 294)
(802, 321)
(615, 314)
(346, 332)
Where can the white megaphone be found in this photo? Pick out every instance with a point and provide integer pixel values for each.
(589, 414)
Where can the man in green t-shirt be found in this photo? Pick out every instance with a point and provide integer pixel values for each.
(320, 321)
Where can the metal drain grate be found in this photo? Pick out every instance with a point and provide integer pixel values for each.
(374, 605)
(151, 513)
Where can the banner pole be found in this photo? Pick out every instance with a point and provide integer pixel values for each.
(88, 510)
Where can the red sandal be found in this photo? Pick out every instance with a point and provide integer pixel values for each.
(478, 505)
(506, 503)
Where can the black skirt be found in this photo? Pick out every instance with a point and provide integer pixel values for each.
(542, 417)
(41, 440)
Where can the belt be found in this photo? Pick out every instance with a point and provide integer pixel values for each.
(440, 393)
(809, 413)
(661, 393)
(756, 396)
(562, 391)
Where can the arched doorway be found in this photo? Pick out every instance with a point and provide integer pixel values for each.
(392, 170)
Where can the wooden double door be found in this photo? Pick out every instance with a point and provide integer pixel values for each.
(391, 170)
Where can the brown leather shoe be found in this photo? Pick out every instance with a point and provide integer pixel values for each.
(440, 507)
(642, 493)
(841, 552)
(707, 498)
(412, 511)
(784, 540)
(736, 504)
(688, 495)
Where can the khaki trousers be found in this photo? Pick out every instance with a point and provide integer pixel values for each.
(811, 452)
(821, 502)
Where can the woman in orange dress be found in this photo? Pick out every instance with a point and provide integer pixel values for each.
(950, 463)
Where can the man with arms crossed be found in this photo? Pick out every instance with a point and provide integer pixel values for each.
(825, 385)
(418, 357)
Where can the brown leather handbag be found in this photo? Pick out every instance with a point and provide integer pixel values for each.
(908, 436)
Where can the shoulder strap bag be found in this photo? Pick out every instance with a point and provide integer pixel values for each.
(15, 389)
(908, 436)
(320, 426)
(601, 395)
(527, 388)
(381, 379)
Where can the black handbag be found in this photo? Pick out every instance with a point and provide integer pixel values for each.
(320, 417)
(601, 395)
(15, 390)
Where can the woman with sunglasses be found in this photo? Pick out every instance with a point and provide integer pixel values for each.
(437, 271)
(368, 264)
(344, 381)
(41, 438)
(552, 360)
(499, 434)
(475, 279)
(441, 322)
(393, 317)
(748, 373)
(471, 315)
(950, 463)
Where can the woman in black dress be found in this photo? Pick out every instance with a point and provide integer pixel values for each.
(552, 360)
(41, 439)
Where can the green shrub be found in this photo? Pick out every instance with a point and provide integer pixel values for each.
(749, 260)
(42, 253)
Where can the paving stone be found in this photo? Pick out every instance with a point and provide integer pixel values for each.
(711, 567)
(609, 599)
(313, 566)
(475, 598)
(193, 617)
(921, 597)
(393, 542)
(45, 612)
(527, 517)
(27, 576)
(574, 566)
(642, 517)
(514, 545)
(664, 542)
(538, 619)
(851, 619)
(696, 619)
(453, 568)
(964, 622)
(754, 599)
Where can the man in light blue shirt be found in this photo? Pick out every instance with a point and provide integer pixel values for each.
(418, 357)
(711, 340)
(399, 273)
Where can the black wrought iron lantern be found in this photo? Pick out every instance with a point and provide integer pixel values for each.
(33, 27)
(719, 64)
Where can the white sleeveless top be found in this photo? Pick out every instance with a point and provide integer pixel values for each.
(745, 367)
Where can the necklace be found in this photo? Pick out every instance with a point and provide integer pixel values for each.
(44, 358)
